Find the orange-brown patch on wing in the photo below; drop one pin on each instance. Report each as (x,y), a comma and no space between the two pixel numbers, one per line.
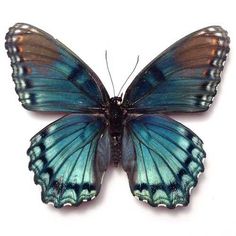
(214,41)
(36,48)
(213,52)
(199,50)
(197,40)
(19,38)
(29,70)
(20,49)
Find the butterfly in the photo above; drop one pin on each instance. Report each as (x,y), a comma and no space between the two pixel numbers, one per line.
(161,157)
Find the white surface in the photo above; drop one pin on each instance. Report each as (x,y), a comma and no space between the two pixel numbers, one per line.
(125,29)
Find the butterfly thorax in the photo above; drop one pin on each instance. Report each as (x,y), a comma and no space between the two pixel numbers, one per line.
(115,117)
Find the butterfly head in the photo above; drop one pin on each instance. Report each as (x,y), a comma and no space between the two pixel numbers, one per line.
(115,100)
(115,112)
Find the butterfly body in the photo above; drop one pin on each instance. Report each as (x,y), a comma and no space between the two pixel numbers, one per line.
(162,158)
(116,116)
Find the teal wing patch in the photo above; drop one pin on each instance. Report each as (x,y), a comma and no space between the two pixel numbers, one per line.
(163,160)
(69,158)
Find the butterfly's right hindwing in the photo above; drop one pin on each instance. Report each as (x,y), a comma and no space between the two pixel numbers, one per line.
(162,158)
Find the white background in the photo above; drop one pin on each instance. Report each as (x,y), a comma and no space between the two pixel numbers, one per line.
(125,29)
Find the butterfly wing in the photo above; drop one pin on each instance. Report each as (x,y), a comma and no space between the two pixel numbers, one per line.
(162,158)
(183,78)
(69,158)
(50,77)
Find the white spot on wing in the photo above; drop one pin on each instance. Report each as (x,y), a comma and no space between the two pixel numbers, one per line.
(67,204)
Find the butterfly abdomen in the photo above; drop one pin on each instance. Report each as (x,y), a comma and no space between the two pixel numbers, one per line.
(116,149)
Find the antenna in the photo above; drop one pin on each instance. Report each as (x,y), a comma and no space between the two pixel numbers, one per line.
(113,87)
(129,76)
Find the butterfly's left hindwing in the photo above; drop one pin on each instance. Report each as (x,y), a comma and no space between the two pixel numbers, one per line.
(69,158)
(162,158)
(50,77)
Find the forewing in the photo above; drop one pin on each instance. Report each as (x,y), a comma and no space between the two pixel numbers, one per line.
(50,77)
(69,158)
(162,158)
(183,78)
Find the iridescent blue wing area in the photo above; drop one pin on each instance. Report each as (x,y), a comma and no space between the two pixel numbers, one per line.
(69,158)
(183,78)
(50,77)
(162,158)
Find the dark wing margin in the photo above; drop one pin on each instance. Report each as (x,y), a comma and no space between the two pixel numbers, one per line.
(50,77)
(69,158)
(162,158)
(184,78)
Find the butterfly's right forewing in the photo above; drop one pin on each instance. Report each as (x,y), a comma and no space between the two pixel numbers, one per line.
(184,78)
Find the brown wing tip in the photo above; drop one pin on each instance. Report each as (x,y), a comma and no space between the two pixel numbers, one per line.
(206,48)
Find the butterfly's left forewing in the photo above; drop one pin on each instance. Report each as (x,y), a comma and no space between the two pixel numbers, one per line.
(50,77)
(69,158)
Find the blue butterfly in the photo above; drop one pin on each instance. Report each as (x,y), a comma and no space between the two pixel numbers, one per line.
(162,158)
